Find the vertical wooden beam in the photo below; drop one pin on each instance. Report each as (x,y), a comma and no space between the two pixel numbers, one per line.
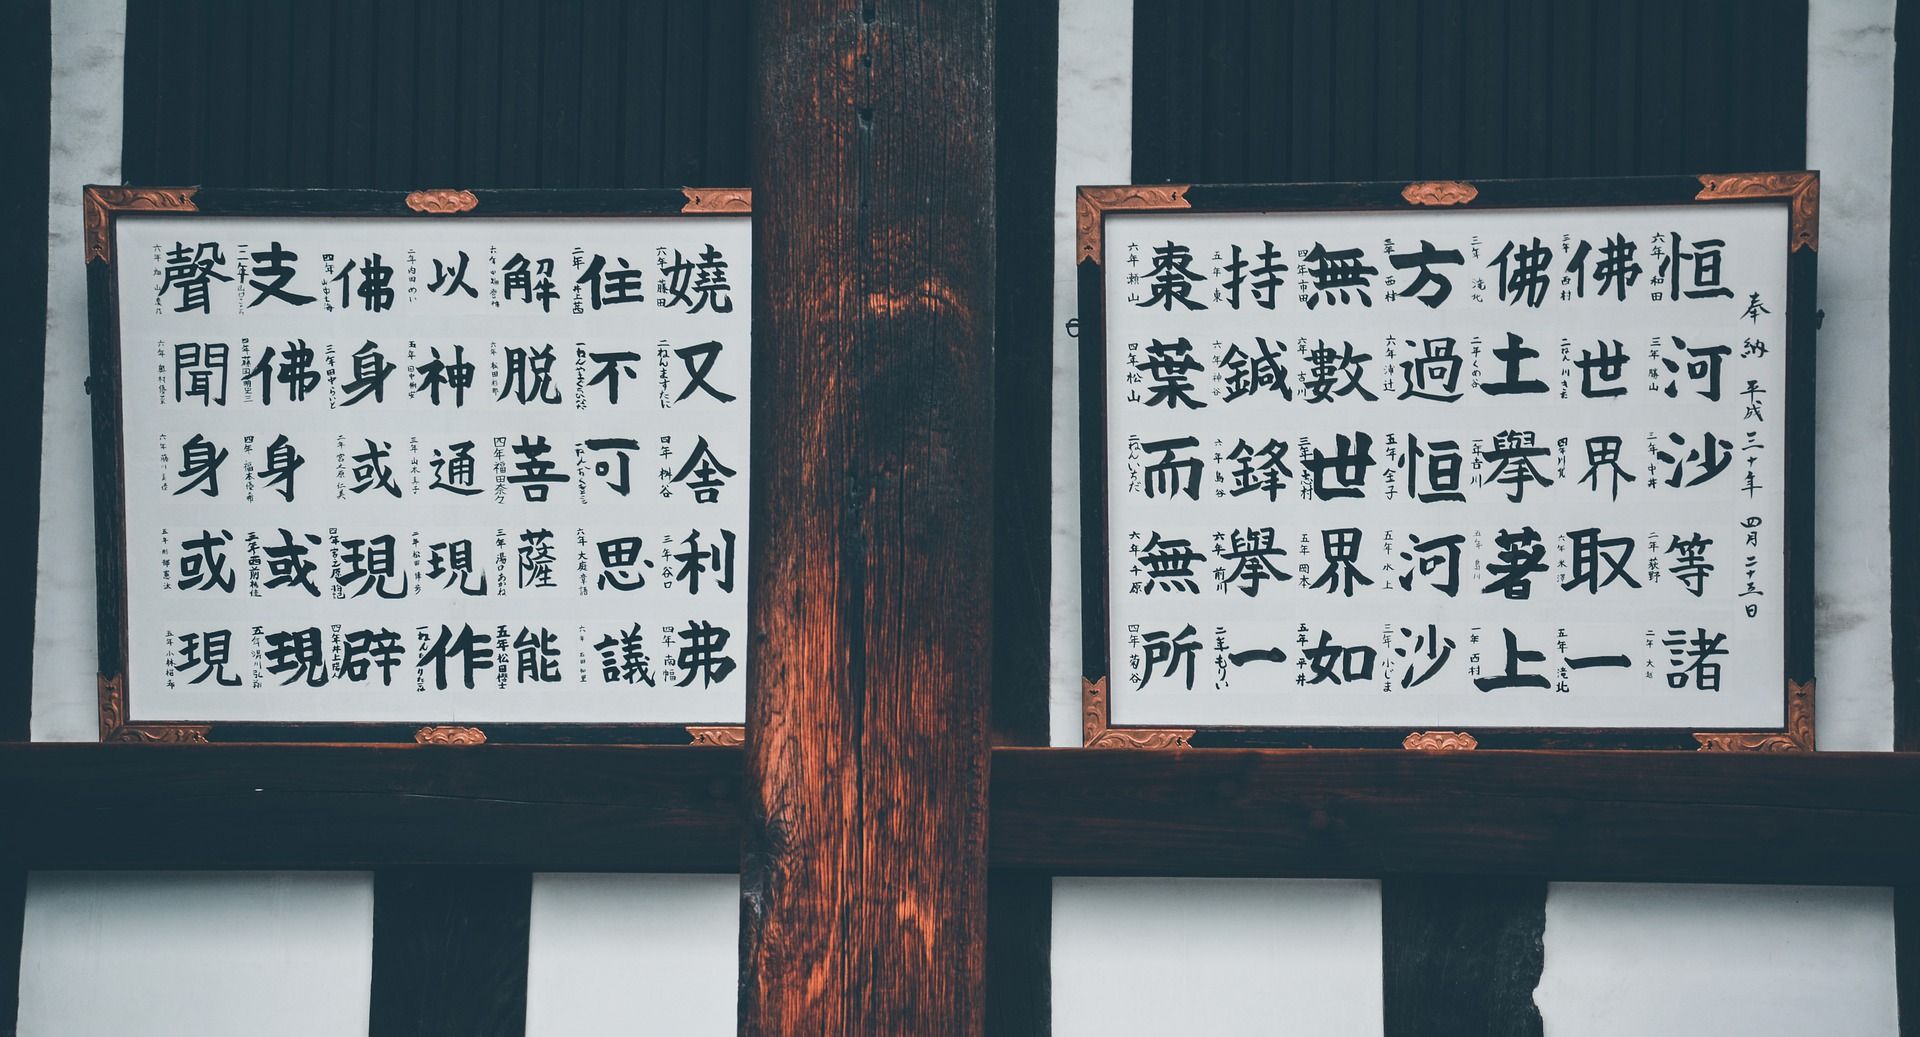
(1026,84)
(26,81)
(1462,956)
(1903,366)
(450,953)
(863,883)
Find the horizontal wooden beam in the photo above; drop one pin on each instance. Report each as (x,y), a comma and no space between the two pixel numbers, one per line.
(1825,818)
(565,808)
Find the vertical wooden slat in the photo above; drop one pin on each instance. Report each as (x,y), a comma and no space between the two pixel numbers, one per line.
(1616,80)
(726,92)
(268,61)
(1483,137)
(179,87)
(309,97)
(559,93)
(449,953)
(26,71)
(1661,107)
(139,98)
(1396,108)
(1704,78)
(642,88)
(394,93)
(603,30)
(1224,92)
(684,122)
(1152,107)
(1571,73)
(1270,92)
(1442,89)
(1353,83)
(1312,126)
(1462,956)
(436,128)
(522,28)
(228,128)
(350,161)
(1903,366)
(1026,83)
(481,91)
(863,882)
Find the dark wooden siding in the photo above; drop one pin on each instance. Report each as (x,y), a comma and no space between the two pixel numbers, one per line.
(458,93)
(1297,90)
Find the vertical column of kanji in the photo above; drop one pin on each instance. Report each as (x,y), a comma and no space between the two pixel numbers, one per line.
(864,876)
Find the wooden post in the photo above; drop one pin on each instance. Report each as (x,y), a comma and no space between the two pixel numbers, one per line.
(864,875)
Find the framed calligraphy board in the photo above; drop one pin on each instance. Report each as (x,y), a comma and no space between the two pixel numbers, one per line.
(439,466)
(1445,464)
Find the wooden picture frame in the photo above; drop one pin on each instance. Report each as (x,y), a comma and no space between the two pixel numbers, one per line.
(1796,191)
(104,208)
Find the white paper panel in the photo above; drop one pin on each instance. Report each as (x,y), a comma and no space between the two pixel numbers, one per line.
(538,512)
(1289,481)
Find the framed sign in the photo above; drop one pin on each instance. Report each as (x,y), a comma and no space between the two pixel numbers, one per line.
(1444,464)
(439,466)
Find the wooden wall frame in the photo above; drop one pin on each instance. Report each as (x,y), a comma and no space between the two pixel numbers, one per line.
(1797,191)
(103,208)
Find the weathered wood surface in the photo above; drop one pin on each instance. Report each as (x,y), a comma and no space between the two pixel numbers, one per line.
(864,874)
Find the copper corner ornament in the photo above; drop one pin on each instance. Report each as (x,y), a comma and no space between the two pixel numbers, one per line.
(724,734)
(1440,741)
(114,726)
(1439,192)
(442,201)
(1095,734)
(443,735)
(98,201)
(1802,190)
(1092,202)
(1798,737)
(718,199)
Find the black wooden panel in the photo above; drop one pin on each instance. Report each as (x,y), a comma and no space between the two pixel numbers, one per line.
(419,93)
(1298,90)
(1468,89)
(442,967)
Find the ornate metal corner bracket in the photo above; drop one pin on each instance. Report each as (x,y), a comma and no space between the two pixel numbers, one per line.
(114,726)
(1798,737)
(442,201)
(717,199)
(445,735)
(1454,741)
(1093,202)
(1095,734)
(1440,193)
(723,734)
(1802,190)
(98,202)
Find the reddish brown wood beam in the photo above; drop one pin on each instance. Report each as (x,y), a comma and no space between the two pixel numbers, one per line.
(864,877)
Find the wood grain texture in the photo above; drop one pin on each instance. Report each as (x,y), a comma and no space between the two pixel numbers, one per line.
(864,872)
(449,952)
(1903,362)
(1462,956)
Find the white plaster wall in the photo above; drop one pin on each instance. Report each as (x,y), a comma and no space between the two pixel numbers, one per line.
(1748,960)
(633,954)
(196,955)
(1215,956)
